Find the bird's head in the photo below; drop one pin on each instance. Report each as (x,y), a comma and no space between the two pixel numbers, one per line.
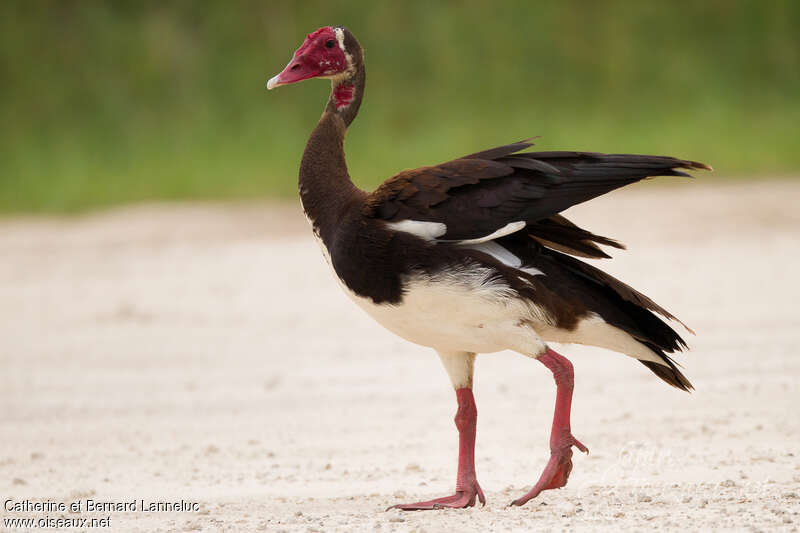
(322,55)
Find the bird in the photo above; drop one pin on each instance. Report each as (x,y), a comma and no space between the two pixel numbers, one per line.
(472,256)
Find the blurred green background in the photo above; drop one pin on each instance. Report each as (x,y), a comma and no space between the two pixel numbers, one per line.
(110,102)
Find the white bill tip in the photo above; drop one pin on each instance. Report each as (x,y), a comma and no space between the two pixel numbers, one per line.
(273,82)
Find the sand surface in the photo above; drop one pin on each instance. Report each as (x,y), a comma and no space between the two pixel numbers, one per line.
(204,353)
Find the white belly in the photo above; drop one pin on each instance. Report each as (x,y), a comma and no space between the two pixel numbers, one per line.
(445,317)
(456,312)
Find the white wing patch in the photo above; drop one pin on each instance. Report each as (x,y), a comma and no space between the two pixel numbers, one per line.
(498,252)
(509,228)
(426,230)
(533,271)
(430,231)
(504,256)
(433,230)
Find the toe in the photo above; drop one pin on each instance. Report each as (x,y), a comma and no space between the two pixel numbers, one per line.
(456,501)
(580,446)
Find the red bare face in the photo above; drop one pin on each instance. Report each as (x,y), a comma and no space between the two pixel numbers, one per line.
(321,55)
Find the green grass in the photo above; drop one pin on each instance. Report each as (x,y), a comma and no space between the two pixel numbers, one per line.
(104,103)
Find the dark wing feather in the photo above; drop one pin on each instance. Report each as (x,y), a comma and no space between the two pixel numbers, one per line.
(501,151)
(560,234)
(480,193)
(664,338)
(411,193)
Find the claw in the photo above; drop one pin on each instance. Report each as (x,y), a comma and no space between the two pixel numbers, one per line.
(580,446)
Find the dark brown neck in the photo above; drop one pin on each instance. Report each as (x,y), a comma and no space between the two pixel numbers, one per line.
(325,187)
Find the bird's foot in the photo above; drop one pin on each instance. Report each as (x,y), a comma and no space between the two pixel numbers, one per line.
(556,473)
(459,500)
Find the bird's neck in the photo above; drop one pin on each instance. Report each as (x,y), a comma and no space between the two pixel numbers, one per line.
(348,91)
(325,186)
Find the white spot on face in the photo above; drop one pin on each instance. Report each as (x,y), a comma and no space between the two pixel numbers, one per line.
(426,230)
(337,77)
(339,32)
(508,229)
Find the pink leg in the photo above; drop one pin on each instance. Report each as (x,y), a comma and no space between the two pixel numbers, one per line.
(467,488)
(557,471)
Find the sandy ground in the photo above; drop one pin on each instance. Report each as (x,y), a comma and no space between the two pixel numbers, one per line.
(204,353)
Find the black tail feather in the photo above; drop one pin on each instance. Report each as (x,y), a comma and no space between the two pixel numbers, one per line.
(670,374)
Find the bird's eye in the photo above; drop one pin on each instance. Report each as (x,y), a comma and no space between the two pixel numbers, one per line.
(330,43)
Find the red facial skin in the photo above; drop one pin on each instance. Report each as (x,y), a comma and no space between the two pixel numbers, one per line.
(316,57)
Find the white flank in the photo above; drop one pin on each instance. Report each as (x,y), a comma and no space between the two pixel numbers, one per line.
(509,228)
(459,311)
(426,230)
(466,310)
